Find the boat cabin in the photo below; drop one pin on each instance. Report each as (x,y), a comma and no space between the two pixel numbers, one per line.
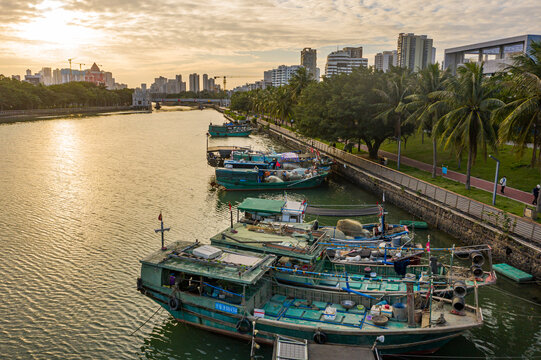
(268,210)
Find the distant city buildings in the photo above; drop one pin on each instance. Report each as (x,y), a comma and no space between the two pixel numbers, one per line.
(282,74)
(384,60)
(344,61)
(309,61)
(415,52)
(496,54)
(47,76)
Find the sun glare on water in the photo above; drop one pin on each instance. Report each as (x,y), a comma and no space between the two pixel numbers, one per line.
(57,26)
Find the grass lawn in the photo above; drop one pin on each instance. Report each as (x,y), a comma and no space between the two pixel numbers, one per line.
(503,203)
(519,174)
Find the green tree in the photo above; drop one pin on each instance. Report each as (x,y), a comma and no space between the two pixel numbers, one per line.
(393,101)
(426,106)
(468,124)
(522,123)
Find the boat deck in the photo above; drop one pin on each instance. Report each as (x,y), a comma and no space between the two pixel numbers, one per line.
(261,239)
(298,311)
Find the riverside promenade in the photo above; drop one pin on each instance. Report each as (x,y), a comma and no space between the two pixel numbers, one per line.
(482,184)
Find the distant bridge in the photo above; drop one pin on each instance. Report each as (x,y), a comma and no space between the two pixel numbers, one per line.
(192,101)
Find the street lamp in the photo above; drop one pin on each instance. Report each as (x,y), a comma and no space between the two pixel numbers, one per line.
(495,179)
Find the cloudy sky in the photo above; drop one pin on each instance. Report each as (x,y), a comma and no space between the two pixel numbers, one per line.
(140,39)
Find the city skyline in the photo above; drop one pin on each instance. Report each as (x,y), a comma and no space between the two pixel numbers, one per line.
(137,42)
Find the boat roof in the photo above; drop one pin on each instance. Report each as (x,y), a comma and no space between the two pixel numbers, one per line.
(237,266)
(279,239)
(262,205)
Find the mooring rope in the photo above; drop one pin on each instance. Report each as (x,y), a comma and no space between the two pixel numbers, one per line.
(143,324)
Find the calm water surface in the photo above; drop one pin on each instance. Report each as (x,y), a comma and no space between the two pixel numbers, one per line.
(79,200)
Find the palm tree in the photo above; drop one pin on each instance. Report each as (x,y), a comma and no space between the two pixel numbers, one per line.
(426,104)
(468,124)
(393,99)
(298,82)
(522,125)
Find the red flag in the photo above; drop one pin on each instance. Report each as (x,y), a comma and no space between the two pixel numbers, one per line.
(160,217)
(229,206)
(428,246)
(277,164)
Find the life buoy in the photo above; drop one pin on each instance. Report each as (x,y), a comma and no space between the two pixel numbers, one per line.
(320,337)
(244,326)
(174,303)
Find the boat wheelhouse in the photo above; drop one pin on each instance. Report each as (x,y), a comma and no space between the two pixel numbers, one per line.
(268,210)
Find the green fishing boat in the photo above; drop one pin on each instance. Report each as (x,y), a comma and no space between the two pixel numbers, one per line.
(414,224)
(229,292)
(228,130)
(261,179)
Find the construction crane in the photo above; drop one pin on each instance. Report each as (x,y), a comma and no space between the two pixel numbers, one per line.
(232,76)
(80,66)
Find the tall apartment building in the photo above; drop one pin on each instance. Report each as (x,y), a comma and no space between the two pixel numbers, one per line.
(309,61)
(415,52)
(46,76)
(385,60)
(194,82)
(205,82)
(344,61)
(281,75)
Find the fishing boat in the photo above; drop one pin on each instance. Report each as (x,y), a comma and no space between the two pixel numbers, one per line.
(229,129)
(270,160)
(308,258)
(262,179)
(217,154)
(229,292)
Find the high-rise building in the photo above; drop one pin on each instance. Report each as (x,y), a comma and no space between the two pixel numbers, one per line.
(344,61)
(281,75)
(109,80)
(212,85)
(205,82)
(415,52)
(385,60)
(181,84)
(194,82)
(309,61)
(159,86)
(46,76)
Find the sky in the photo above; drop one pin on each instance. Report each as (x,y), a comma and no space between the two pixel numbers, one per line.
(138,40)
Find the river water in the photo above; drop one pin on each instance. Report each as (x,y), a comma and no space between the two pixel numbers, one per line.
(79,200)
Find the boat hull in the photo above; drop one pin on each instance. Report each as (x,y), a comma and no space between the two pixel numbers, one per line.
(203,315)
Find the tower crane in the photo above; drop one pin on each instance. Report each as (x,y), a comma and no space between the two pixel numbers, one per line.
(70,60)
(80,66)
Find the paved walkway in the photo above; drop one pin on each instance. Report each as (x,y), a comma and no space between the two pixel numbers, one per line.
(511,193)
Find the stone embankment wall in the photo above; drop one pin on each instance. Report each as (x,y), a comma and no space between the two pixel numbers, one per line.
(514,240)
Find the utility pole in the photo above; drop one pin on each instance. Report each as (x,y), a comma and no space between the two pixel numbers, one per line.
(495,179)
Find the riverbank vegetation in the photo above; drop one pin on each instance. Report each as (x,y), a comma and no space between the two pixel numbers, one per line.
(466,115)
(20,95)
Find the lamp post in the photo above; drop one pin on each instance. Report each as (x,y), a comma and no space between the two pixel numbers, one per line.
(495,179)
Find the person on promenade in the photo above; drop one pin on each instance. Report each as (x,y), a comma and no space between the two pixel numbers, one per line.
(536,194)
(503,183)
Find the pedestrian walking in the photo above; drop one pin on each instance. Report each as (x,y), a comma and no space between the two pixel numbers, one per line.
(536,194)
(503,183)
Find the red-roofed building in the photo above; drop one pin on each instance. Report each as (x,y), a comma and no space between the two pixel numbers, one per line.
(95,75)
